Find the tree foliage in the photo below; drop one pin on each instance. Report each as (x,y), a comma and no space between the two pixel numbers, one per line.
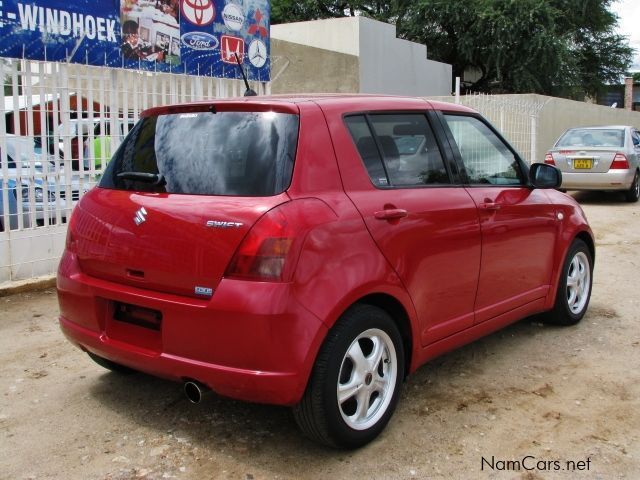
(556,47)
(285,11)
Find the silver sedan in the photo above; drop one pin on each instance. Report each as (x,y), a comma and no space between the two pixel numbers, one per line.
(599,158)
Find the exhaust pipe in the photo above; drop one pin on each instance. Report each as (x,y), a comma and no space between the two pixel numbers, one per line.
(194,391)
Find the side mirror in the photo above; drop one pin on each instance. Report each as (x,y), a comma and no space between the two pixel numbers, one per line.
(542,175)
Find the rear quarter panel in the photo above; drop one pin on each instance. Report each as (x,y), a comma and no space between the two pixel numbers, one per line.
(339,263)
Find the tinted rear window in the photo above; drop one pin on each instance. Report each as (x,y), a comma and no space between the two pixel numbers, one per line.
(204,153)
(592,137)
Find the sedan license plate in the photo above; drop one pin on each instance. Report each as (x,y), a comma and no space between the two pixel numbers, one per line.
(582,163)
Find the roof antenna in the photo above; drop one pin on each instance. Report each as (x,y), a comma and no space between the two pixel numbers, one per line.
(248,92)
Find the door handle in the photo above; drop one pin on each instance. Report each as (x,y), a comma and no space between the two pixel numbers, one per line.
(390,214)
(489,205)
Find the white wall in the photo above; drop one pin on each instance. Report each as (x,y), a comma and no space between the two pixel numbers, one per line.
(387,64)
(335,34)
(394,66)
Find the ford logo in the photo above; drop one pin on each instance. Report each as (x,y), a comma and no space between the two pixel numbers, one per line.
(199,41)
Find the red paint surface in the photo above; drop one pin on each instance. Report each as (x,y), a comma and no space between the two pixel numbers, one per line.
(457,266)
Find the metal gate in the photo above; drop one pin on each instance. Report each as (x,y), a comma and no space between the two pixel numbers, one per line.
(58,125)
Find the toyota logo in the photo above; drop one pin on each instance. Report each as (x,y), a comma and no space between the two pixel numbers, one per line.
(198,12)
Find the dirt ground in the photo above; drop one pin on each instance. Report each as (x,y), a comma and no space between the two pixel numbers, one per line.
(542,396)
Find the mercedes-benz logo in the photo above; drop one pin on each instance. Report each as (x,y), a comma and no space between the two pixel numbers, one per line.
(257,53)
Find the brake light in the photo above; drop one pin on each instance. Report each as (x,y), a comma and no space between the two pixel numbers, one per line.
(620,162)
(270,250)
(548,159)
(70,242)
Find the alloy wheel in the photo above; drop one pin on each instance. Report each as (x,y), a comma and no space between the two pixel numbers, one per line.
(367,379)
(578,283)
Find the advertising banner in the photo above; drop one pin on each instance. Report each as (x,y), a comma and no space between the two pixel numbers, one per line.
(197,37)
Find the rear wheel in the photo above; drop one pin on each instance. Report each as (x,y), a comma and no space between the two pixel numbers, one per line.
(633,194)
(574,290)
(355,383)
(109,365)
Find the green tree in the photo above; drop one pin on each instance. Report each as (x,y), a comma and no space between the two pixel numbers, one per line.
(556,47)
(285,11)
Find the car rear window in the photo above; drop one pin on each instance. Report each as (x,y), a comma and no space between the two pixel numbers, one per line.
(592,137)
(207,153)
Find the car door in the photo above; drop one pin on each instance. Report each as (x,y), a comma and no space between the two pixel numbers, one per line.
(518,223)
(425,224)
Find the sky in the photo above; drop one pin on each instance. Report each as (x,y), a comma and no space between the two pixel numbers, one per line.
(628,12)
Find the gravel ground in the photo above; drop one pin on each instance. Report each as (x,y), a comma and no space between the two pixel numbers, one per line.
(563,402)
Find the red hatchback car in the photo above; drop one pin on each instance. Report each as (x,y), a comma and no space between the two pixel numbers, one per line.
(314,251)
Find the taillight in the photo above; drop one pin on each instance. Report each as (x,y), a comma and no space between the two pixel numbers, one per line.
(620,162)
(70,242)
(270,250)
(548,159)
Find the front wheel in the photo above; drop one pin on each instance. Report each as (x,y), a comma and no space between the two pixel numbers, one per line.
(355,383)
(574,290)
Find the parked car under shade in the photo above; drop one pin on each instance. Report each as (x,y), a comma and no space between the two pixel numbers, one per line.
(28,177)
(296,251)
(599,158)
(25,191)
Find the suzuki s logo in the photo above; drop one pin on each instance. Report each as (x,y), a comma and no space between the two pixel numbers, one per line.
(141,216)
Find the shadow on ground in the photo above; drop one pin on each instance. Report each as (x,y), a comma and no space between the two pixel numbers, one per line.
(264,432)
(599,198)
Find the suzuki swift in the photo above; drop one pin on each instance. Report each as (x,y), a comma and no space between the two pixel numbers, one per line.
(314,251)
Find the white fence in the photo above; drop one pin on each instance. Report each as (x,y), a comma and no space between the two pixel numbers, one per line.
(516,118)
(57,121)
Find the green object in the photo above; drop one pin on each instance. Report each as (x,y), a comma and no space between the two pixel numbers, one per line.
(101,151)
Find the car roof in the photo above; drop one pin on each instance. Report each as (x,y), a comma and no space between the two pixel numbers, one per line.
(601,127)
(289,103)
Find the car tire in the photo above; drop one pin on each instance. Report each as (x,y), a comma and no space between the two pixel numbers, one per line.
(109,365)
(355,383)
(633,194)
(574,289)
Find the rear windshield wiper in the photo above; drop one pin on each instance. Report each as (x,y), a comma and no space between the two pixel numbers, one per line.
(155,179)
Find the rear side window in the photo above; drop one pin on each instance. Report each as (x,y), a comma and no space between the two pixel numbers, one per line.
(205,153)
(592,137)
(398,149)
(487,160)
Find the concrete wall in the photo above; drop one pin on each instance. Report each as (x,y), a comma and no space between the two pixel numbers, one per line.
(312,70)
(515,116)
(559,114)
(335,34)
(390,65)
(386,64)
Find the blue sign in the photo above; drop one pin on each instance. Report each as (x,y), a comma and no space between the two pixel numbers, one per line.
(197,37)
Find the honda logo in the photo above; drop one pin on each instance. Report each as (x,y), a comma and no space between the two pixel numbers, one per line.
(229,46)
(141,216)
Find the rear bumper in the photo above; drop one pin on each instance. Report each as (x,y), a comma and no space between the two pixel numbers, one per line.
(611,180)
(250,342)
